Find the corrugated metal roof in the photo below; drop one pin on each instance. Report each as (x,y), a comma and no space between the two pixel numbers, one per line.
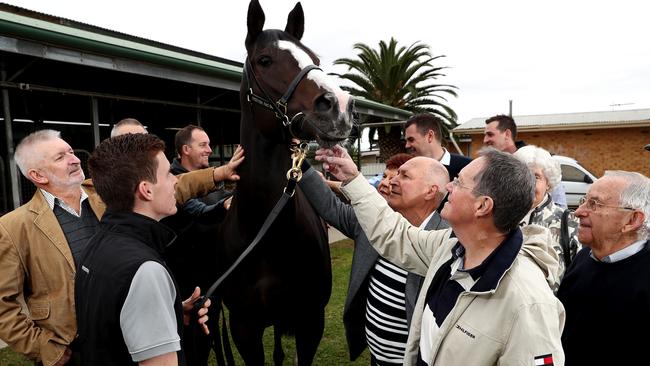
(564,121)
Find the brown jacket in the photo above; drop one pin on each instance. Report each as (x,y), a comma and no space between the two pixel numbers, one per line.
(36,266)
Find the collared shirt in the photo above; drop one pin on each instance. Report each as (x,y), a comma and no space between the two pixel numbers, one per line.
(619,255)
(52,200)
(446,158)
(426,221)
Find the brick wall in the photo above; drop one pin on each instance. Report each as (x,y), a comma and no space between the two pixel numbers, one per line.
(597,150)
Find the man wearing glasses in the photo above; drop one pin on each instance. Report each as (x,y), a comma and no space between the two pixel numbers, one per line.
(486,298)
(606,290)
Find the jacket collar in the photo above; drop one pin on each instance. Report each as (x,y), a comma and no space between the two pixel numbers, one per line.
(176,167)
(497,263)
(145,229)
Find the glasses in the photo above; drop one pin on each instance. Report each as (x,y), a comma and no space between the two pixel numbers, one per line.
(457,184)
(593,205)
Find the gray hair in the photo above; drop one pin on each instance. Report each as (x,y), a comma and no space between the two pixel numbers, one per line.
(124,122)
(510,184)
(537,157)
(24,156)
(636,195)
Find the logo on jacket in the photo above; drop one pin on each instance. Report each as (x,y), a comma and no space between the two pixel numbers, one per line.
(465,331)
(544,360)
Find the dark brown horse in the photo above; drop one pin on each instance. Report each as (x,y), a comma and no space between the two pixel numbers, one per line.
(286,280)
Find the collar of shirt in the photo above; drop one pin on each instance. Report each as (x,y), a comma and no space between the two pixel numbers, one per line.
(51,200)
(626,252)
(446,158)
(426,221)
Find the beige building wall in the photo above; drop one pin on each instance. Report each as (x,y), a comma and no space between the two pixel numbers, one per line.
(597,149)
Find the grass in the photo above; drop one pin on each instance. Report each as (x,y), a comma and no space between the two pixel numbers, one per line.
(333,347)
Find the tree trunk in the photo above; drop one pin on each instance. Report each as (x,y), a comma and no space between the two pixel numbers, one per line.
(390,141)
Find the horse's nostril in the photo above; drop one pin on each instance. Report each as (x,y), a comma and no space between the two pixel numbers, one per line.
(325,102)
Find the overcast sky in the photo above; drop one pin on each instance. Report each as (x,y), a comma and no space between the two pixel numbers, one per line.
(547,56)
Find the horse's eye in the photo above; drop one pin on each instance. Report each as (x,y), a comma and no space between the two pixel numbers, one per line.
(264,61)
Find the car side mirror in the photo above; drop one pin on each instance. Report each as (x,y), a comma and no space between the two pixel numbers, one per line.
(588,179)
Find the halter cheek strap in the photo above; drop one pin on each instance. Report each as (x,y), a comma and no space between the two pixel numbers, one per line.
(279,107)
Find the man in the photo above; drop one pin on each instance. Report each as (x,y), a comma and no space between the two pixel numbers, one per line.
(381,296)
(191,256)
(40,243)
(605,290)
(485,300)
(128,309)
(127,125)
(423,135)
(500,133)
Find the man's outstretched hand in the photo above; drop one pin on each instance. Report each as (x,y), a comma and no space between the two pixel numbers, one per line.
(337,161)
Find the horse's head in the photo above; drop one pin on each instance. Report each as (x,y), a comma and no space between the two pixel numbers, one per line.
(283,81)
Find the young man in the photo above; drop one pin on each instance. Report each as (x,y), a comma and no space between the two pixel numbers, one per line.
(486,299)
(423,135)
(605,290)
(128,308)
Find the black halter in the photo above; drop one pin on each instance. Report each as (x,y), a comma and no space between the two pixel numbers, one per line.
(279,107)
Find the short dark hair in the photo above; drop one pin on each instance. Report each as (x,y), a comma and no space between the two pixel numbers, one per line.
(510,184)
(120,163)
(505,123)
(396,161)
(425,122)
(184,137)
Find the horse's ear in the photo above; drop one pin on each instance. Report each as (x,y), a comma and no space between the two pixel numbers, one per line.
(296,22)
(255,22)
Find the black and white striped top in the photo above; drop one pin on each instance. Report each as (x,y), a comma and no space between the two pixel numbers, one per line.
(386,326)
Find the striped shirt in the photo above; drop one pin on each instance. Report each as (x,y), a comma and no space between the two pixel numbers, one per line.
(386,326)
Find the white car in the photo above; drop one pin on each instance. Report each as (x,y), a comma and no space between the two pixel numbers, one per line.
(575,179)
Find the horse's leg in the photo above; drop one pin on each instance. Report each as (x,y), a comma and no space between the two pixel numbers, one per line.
(247,335)
(308,335)
(278,353)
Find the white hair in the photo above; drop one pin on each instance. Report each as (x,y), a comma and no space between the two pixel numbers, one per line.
(25,156)
(537,157)
(636,195)
(437,174)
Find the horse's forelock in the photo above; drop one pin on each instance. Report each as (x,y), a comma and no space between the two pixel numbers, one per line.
(271,36)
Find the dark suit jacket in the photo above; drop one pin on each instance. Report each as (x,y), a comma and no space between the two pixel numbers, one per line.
(342,217)
(456,163)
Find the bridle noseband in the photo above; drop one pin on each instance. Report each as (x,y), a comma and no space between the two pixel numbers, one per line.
(279,107)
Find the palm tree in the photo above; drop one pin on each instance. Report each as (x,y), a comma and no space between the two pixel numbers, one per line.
(400,77)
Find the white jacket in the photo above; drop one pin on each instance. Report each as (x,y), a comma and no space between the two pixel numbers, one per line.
(513,323)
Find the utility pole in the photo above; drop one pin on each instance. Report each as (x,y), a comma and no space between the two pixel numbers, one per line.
(510,108)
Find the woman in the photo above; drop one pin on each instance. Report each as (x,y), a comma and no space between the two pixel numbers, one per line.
(544,212)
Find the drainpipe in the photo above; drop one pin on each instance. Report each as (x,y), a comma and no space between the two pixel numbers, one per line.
(453,141)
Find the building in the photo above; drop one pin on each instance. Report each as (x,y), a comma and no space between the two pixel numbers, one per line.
(598,140)
(80,79)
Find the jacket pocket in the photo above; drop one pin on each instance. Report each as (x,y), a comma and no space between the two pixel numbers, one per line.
(39,310)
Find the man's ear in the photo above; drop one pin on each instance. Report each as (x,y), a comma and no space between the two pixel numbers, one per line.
(185,149)
(508,134)
(143,191)
(483,206)
(634,223)
(431,192)
(36,177)
(431,136)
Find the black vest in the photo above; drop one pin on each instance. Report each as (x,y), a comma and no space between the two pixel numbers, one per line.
(77,230)
(123,242)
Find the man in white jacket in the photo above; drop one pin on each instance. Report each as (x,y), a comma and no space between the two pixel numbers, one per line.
(486,298)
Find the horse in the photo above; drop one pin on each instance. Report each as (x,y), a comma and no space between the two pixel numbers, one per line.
(285,282)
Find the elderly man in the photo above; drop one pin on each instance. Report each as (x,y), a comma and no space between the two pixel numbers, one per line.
(486,299)
(40,243)
(606,289)
(423,136)
(381,296)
